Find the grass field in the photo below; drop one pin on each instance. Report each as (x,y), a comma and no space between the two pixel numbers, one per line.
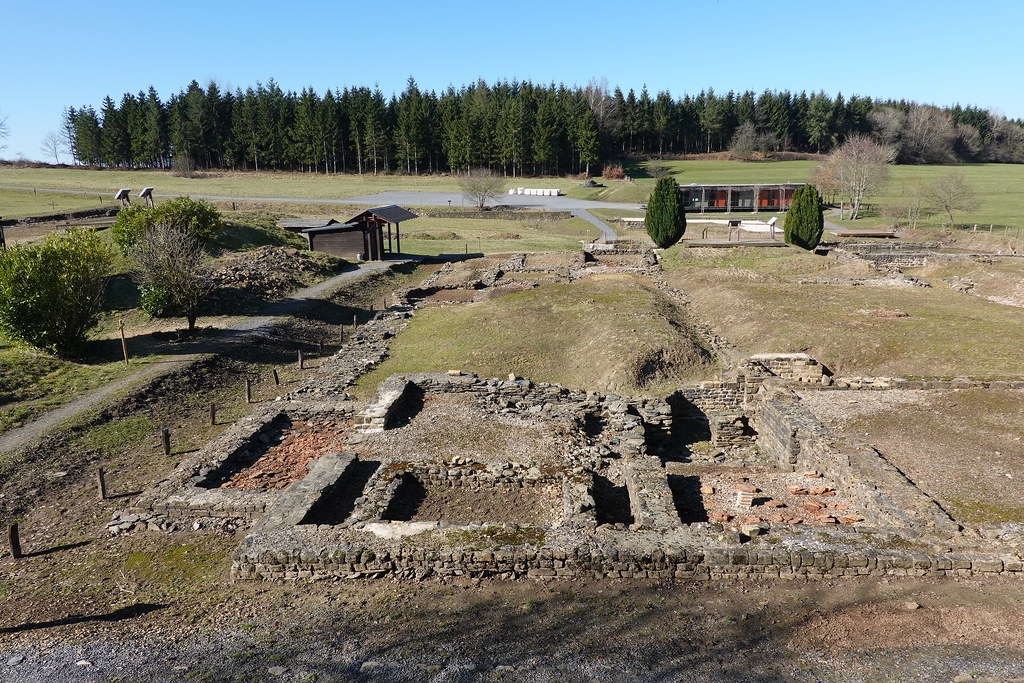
(430,236)
(84,189)
(783,300)
(999,186)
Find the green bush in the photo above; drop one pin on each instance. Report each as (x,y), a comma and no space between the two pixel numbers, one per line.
(132,222)
(50,292)
(666,215)
(194,216)
(805,221)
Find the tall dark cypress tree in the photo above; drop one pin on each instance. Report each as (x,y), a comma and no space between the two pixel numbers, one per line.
(666,215)
(805,221)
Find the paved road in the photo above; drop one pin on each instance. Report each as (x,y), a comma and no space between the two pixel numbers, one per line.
(28,434)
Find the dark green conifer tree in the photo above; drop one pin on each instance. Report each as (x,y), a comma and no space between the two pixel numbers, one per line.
(805,221)
(666,215)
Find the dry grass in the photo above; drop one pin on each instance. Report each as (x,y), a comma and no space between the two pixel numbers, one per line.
(610,332)
(789,301)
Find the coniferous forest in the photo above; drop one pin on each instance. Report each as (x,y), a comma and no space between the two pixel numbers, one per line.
(513,128)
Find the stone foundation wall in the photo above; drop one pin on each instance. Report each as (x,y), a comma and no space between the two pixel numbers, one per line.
(190,494)
(884,383)
(382,487)
(730,430)
(798,367)
(793,438)
(354,561)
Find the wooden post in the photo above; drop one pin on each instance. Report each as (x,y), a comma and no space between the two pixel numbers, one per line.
(248,391)
(213,414)
(165,435)
(12,536)
(355,323)
(320,348)
(101,484)
(277,380)
(301,367)
(384,305)
(124,344)
(342,334)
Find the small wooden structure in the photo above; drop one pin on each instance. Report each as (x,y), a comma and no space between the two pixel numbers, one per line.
(883,233)
(372,223)
(360,238)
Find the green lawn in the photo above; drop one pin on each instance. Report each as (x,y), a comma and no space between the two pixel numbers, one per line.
(430,236)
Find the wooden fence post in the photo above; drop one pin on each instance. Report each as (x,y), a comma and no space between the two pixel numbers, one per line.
(213,414)
(165,435)
(300,360)
(12,536)
(101,483)
(124,344)
(277,379)
(248,391)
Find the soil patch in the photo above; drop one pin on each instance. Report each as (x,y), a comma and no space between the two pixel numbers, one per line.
(415,502)
(289,459)
(962,447)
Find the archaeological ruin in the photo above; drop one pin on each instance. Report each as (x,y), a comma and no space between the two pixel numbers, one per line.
(451,474)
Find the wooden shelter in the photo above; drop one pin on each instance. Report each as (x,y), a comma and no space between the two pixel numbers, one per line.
(772,197)
(372,224)
(361,238)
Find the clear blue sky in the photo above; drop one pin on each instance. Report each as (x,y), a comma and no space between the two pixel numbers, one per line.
(74,53)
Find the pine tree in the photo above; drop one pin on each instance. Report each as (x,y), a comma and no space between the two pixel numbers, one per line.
(666,215)
(805,221)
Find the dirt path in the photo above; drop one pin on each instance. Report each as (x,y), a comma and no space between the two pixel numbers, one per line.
(26,435)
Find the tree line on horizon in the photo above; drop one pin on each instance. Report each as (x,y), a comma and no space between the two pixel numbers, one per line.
(515,128)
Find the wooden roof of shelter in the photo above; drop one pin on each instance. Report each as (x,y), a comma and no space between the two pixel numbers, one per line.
(297,224)
(389,214)
(335,226)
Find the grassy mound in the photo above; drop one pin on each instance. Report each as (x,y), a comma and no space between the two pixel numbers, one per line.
(608,333)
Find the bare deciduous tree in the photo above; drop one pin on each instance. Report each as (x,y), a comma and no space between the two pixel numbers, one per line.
(856,169)
(4,132)
(911,206)
(747,140)
(479,186)
(170,269)
(603,105)
(928,136)
(950,193)
(52,145)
